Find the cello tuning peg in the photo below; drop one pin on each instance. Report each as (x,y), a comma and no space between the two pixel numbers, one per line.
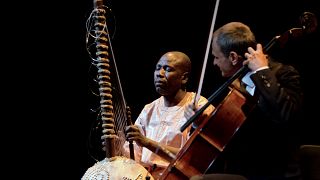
(309,22)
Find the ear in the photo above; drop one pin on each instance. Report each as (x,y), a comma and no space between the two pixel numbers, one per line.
(234,58)
(185,77)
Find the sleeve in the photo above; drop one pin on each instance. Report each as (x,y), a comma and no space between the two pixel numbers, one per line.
(206,113)
(280,91)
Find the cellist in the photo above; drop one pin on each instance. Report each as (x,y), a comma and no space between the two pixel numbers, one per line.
(264,146)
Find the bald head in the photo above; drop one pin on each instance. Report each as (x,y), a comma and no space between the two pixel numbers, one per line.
(181,59)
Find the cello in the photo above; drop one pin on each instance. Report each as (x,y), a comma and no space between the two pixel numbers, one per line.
(214,133)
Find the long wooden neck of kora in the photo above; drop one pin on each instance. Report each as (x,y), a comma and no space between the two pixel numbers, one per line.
(103,65)
(114,111)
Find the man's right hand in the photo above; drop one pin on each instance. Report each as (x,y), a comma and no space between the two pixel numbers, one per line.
(133,134)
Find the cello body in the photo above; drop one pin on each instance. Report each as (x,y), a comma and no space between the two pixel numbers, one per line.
(209,140)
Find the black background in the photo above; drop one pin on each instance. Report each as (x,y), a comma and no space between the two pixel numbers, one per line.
(143,31)
(48,84)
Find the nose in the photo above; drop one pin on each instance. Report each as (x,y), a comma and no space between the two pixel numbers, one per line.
(214,62)
(160,72)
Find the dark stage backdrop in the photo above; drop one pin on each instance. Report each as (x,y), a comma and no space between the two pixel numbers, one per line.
(143,30)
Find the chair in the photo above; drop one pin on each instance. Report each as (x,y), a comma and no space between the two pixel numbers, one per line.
(219,177)
(310,162)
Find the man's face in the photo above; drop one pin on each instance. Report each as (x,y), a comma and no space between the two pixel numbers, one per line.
(224,63)
(168,75)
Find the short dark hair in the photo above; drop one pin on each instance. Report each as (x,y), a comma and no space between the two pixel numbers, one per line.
(234,36)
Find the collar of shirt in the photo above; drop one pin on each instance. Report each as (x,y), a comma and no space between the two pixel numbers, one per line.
(250,87)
